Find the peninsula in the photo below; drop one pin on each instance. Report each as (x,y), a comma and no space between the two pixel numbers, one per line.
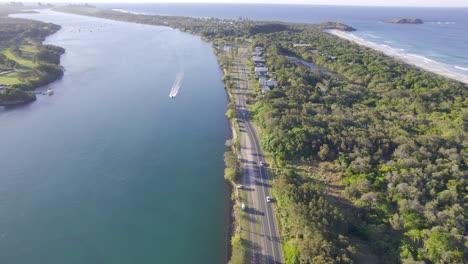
(25,62)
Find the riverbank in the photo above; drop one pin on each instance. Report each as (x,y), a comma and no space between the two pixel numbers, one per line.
(418,61)
(26,62)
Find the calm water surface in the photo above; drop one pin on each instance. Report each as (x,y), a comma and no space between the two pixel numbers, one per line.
(110,169)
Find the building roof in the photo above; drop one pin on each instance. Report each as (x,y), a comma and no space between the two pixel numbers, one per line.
(258,58)
(265,89)
(261,69)
(270,82)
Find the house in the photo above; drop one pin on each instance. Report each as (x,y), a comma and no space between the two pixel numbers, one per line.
(259,49)
(269,83)
(261,70)
(265,89)
(258,59)
(255,53)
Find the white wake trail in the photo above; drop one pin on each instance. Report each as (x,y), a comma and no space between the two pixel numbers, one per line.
(176,85)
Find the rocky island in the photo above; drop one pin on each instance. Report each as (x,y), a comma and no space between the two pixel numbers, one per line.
(405,21)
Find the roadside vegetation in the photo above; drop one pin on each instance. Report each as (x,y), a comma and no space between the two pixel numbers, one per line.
(25,63)
(232,172)
(369,160)
(390,138)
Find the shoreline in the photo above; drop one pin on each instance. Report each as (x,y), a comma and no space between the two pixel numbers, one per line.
(30,86)
(412,59)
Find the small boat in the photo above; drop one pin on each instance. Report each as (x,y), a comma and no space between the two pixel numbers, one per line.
(48,92)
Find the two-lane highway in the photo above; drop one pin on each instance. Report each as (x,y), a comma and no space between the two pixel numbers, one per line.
(266,244)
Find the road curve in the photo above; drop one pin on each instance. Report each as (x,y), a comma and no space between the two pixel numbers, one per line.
(265,239)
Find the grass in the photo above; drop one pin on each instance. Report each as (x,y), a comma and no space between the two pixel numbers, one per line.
(21,61)
(9,79)
(24,61)
(28,51)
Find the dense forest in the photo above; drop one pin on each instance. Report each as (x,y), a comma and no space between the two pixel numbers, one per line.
(394,134)
(392,137)
(25,63)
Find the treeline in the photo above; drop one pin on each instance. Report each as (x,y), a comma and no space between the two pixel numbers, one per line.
(209,28)
(14,31)
(312,228)
(396,134)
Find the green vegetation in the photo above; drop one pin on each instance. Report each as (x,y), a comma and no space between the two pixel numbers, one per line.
(393,134)
(25,63)
(369,160)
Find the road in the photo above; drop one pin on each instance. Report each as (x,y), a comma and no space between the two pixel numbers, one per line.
(265,239)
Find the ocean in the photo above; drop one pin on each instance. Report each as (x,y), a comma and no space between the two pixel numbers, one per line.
(441,40)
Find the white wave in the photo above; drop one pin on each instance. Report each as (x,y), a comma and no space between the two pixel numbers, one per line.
(443,22)
(389,42)
(461,68)
(421,57)
(372,35)
(176,85)
(414,59)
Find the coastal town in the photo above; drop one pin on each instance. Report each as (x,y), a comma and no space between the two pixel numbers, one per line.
(265,78)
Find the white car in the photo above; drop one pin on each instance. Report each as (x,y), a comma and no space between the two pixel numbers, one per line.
(262,163)
(240,186)
(243,207)
(268,199)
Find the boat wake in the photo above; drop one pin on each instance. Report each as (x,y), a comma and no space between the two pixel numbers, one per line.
(176,85)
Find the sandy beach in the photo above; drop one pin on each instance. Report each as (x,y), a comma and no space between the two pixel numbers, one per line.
(413,59)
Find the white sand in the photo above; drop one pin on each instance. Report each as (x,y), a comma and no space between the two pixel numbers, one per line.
(413,59)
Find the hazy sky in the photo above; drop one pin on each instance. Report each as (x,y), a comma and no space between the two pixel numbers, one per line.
(446,3)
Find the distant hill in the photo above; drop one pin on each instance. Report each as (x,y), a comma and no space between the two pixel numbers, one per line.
(338,26)
(405,21)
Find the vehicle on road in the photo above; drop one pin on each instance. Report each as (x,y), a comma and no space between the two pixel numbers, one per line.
(269,199)
(262,163)
(243,207)
(240,186)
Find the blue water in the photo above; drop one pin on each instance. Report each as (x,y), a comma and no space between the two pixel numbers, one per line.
(442,38)
(110,169)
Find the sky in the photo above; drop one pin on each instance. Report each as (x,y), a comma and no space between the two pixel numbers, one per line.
(438,3)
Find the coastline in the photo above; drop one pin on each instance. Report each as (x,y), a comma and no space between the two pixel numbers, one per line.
(412,59)
(49,66)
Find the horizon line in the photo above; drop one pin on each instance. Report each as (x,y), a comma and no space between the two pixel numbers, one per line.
(236,3)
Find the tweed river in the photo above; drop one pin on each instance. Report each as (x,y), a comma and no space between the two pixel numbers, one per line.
(110,169)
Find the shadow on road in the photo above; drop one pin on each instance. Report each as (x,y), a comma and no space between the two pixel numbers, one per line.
(249,218)
(256,256)
(254,211)
(258,183)
(249,161)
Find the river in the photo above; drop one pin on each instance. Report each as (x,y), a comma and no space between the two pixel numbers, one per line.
(110,169)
